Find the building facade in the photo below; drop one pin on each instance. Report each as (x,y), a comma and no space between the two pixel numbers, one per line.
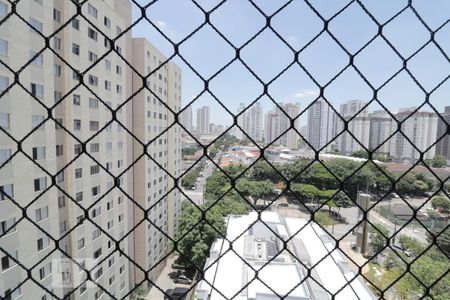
(203,121)
(380,131)
(152,114)
(85,148)
(420,128)
(443,146)
(186,119)
(251,122)
(322,123)
(358,125)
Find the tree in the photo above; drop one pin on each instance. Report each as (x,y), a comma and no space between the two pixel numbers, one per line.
(139,293)
(304,191)
(378,237)
(438,161)
(261,170)
(443,240)
(188,151)
(361,154)
(195,235)
(411,244)
(441,203)
(255,189)
(188,181)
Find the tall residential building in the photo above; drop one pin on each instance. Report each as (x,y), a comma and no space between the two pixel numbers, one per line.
(80,183)
(203,121)
(358,125)
(421,130)
(380,131)
(186,119)
(277,123)
(251,121)
(271,127)
(322,122)
(443,146)
(152,183)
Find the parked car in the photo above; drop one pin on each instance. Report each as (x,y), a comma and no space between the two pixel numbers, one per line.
(182,279)
(176,273)
(283,205)
(176,294)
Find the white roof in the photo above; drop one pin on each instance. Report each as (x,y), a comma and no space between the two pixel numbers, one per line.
(230,277)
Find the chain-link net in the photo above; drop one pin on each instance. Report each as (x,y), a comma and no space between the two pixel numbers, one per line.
(400,244)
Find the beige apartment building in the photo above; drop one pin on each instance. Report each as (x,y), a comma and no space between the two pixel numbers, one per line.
(154,172)
(82,186)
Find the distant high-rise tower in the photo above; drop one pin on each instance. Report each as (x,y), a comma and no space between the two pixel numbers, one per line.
(321,125)
(186,119)
(443,146)
(421,130)
(251,121)
(380,130)
(203,122)
(358,124)
(277,124)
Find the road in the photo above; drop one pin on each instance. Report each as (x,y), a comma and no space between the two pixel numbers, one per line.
(197,195)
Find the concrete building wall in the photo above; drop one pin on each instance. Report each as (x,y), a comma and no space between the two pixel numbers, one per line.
(443,146)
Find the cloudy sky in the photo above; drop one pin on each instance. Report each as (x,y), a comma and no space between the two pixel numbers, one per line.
(267,55)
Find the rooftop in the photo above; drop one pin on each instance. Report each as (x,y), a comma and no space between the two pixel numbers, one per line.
(281,272)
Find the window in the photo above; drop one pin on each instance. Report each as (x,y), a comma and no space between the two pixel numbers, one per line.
(98,273)
(93,125)
(83,288)
(119,89)
(93,103)
(79,196)
(62,227)
(77,148)
(56,15)
(57,96)
(95,190)
(92,34)
(107,85)
(40,184)
(37,121)
(120,163)
(8,226)
(76,99)
(8,262)
(78,173)
(118,30)
(109,205)
(92,10)
(93,80)
(36,24)
(61,201)
(38,153)
(6,191)
(59,150)
(76,24)
(107,64)
(41,213)
(37,90)
(57,70)
(96,233)
(119,70)
(43,243)
(3,47)
(57,43)
(95,169)
(75,49)
(4,120)
(4,83)
(45,271)
(3,10)
(80,244)
(92,56)
(94,147)
(77,124)
(97,253)
(107,22)
(5,154)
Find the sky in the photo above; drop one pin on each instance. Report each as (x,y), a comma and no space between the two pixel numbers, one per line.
(267,55)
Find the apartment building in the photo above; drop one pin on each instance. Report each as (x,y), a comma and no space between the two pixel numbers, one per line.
(251,121)
(203,120)
(380,131)
(443,146)
(153,113)
(85,149)
(322,123)
(358,127)
(186,119)
(420,128)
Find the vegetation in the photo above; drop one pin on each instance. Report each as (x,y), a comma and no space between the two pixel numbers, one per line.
(438,161)
(255,189)
(189,180)
(427,268)
(323,218)
(189,150)
(442,240)
(378,237)
(441,203)
(139,293)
